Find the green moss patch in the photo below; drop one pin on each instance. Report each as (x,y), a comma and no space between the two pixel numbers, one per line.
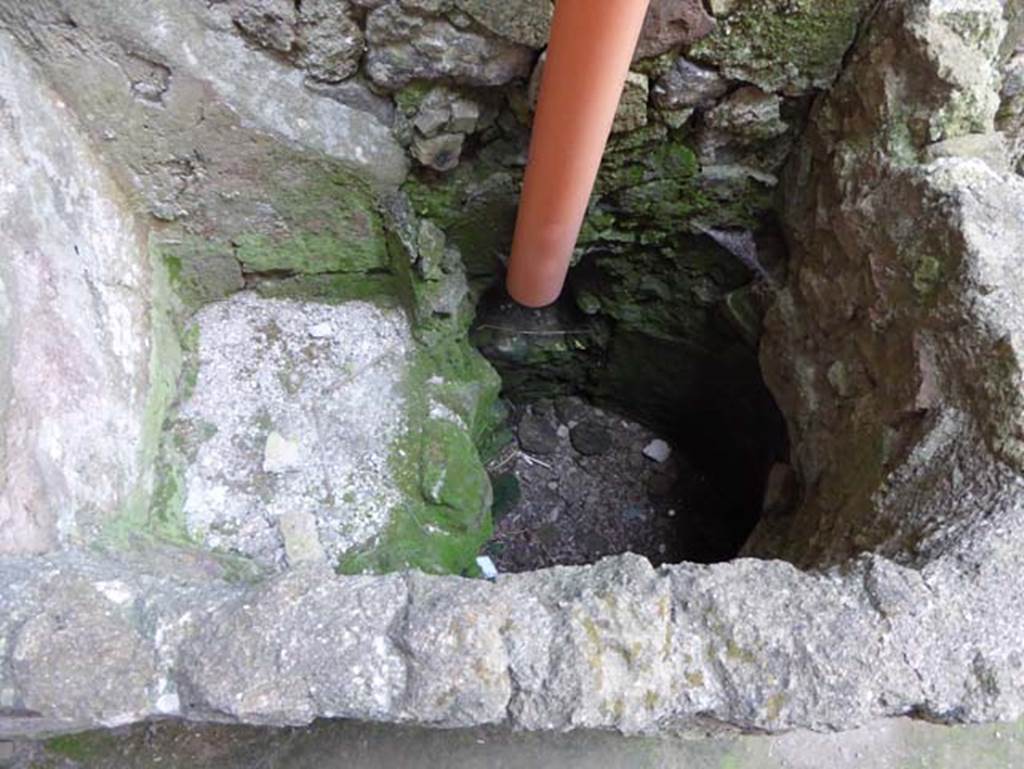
(784,45)
(445,516)
(475,206)
(84,748)
(328,224)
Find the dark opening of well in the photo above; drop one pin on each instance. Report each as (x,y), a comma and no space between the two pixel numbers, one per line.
(708,400)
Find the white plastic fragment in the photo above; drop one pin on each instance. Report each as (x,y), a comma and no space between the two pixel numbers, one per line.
(487,567)
(168,704)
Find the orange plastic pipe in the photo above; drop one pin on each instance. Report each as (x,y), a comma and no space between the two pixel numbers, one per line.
(591,48)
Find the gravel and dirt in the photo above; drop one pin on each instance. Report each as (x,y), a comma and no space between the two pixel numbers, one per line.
(579,483)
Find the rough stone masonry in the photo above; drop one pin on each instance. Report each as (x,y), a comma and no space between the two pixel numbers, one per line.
(166,157)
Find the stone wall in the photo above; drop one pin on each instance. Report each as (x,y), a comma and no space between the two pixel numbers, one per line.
(237,175)
(327,154)
(895,348)
(340,151)
(88,362)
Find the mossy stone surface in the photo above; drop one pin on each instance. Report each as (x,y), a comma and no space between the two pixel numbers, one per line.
(784,45)
(445,516)
(331,225)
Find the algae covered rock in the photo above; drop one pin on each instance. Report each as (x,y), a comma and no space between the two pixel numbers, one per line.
(293,413)
(782,45)
(291,442)
(324,222)
(632,112)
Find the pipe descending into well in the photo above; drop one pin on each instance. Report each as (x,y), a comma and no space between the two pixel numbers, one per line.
(592,45)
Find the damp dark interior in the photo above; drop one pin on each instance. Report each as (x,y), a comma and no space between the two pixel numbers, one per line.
(699,389)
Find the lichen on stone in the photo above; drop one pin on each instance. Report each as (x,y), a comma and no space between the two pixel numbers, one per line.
(781,45)
(328,225)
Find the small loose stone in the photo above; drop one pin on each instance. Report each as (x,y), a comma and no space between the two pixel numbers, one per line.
(571,410)
(440,152)
(301,539)
(658,450)
(591,439)
(280,454)
(537,435)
